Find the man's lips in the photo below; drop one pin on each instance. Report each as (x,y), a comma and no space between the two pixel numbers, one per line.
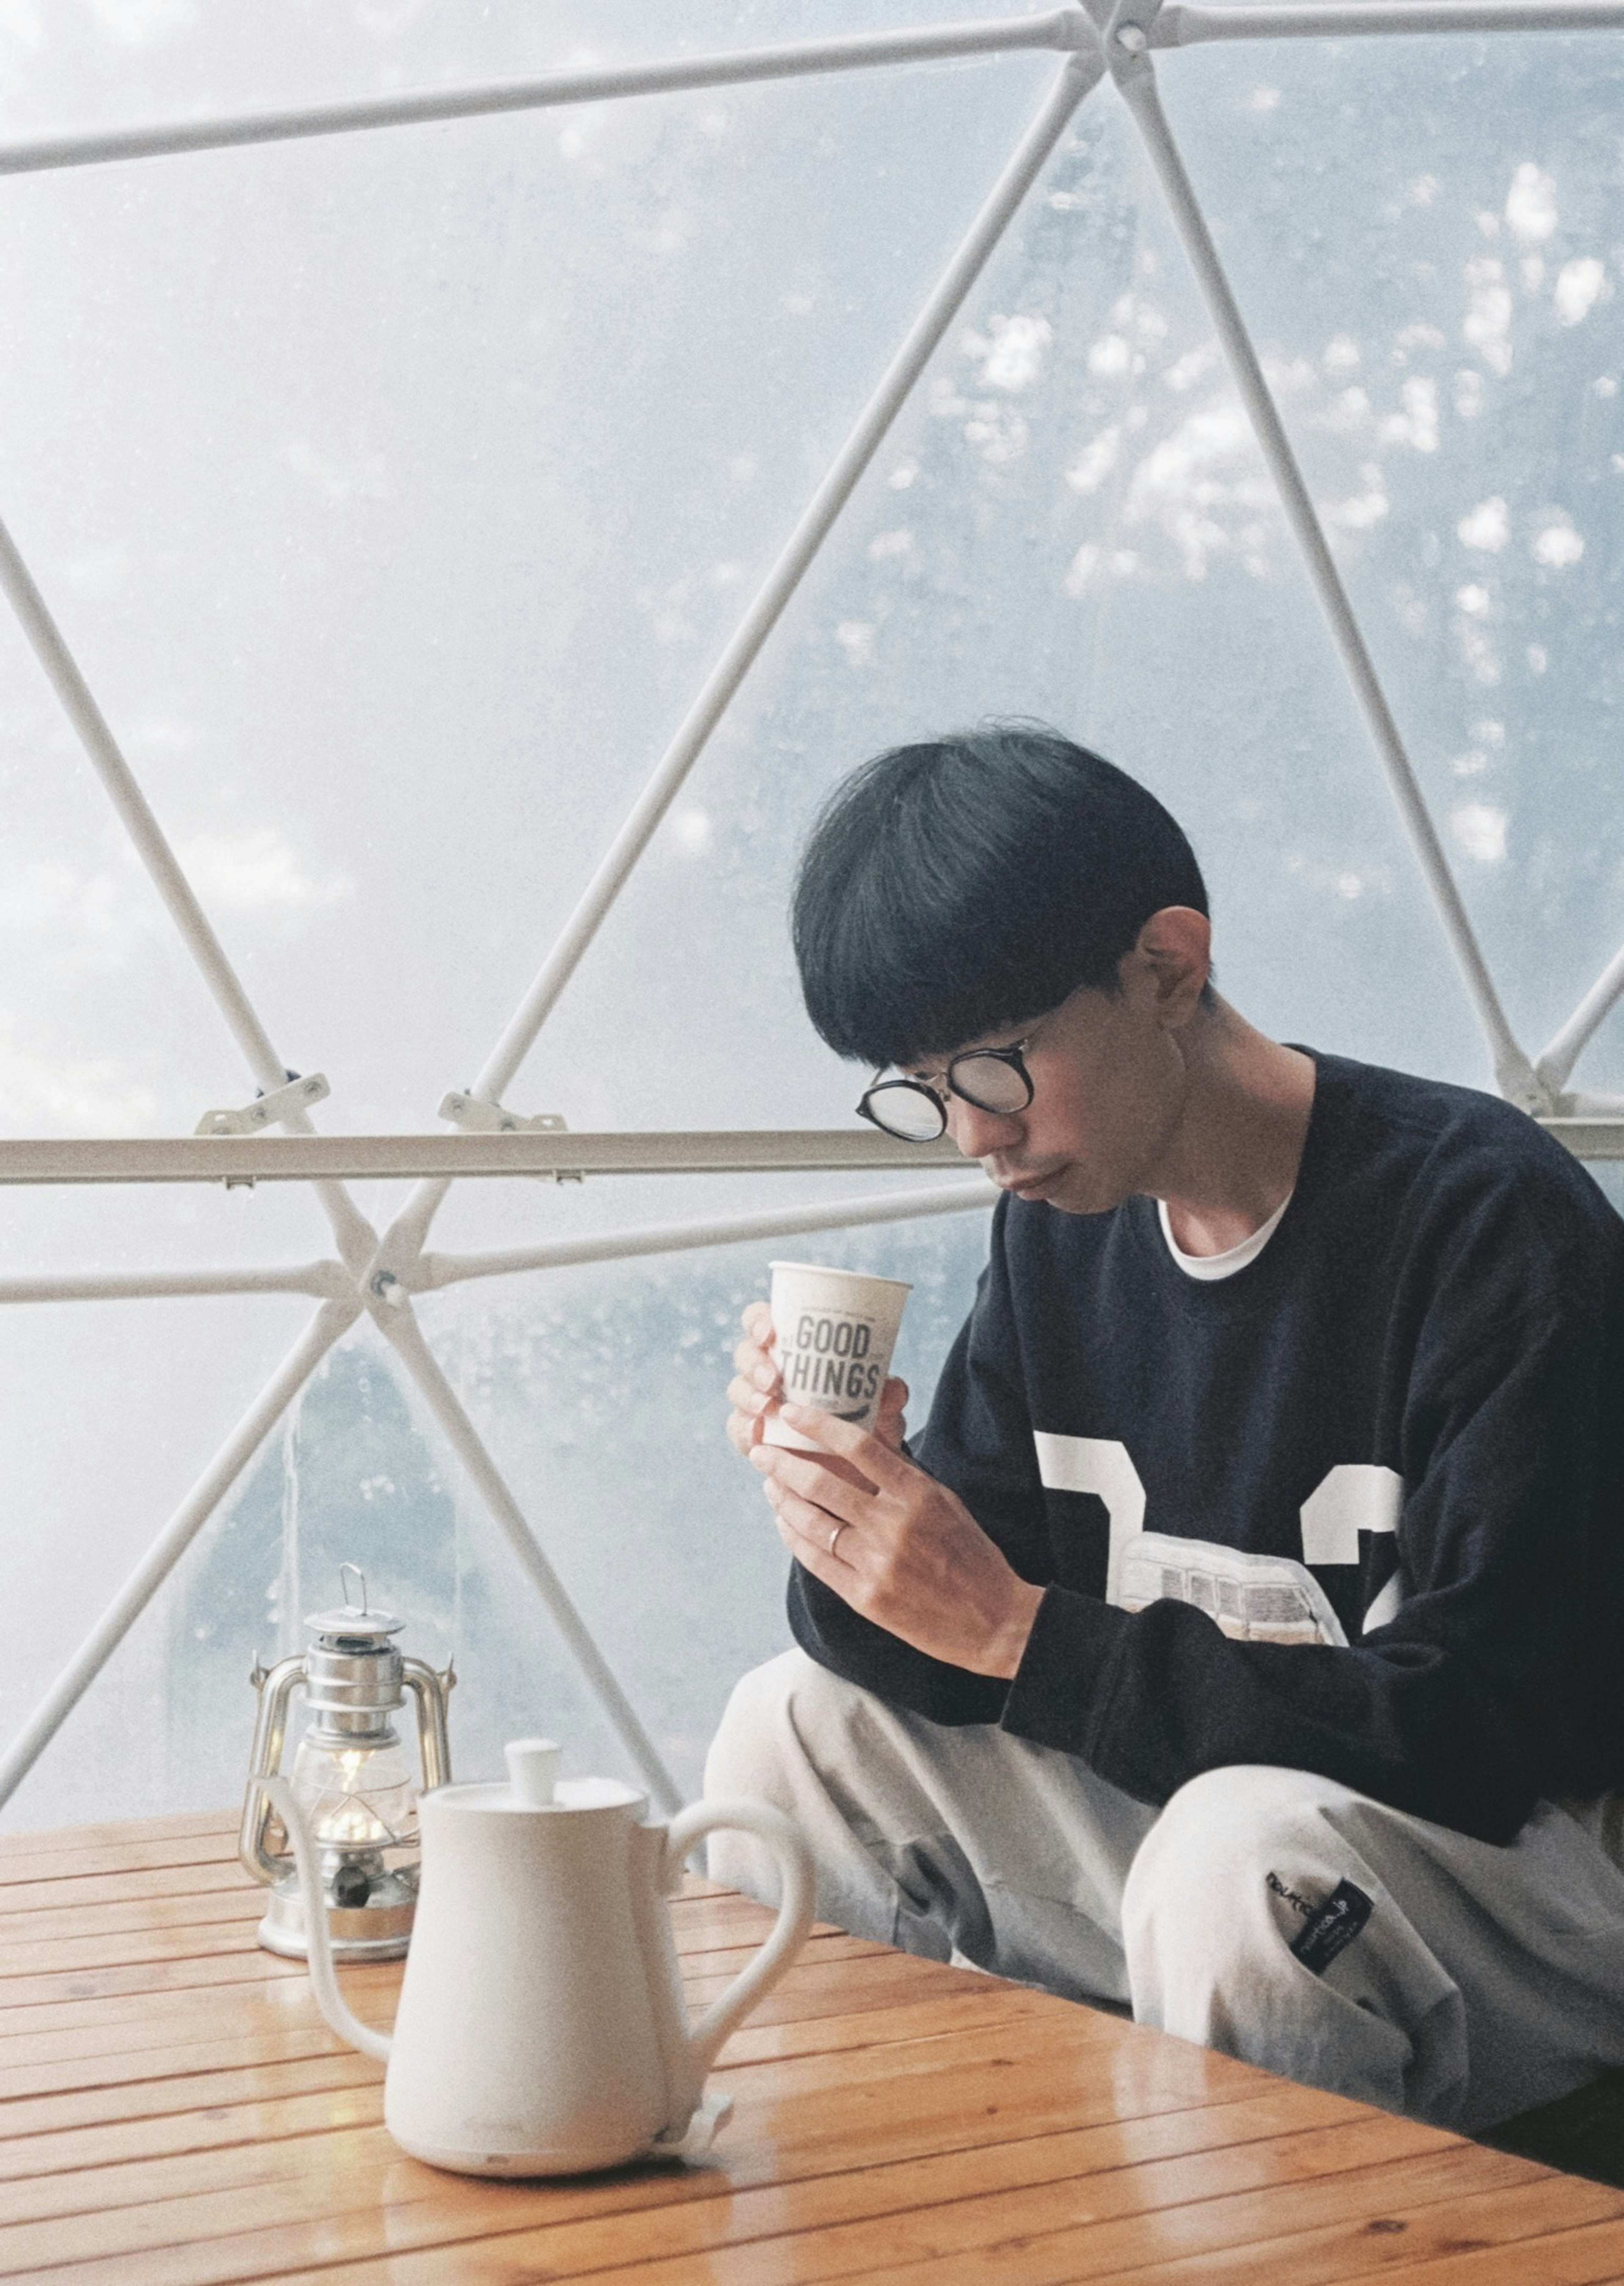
(1029,1186)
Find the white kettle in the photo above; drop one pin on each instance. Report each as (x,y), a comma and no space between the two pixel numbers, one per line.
(542,2029)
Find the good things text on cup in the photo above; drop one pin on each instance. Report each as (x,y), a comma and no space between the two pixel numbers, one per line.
(829,1363)
(833,1332)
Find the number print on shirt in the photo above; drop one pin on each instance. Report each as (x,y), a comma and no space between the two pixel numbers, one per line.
(1357,1496)
(1266,1598)
(1099,1465)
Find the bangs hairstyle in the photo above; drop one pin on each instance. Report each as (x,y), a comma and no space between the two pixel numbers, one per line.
(958,889)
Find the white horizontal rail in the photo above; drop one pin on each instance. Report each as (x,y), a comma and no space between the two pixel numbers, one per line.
(329,1281)
(330,1322)
(445,1158)
(1183,26)
(1562,1054)
(1588,1138)
(435,1270)
(393,1158)
(1059,28)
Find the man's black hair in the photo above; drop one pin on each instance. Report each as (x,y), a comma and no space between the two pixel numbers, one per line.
(958,888)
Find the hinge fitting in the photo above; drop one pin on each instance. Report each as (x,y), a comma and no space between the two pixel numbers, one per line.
(476,1117)
(298,1093)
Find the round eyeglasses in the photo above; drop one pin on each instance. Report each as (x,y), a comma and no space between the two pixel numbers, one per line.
(992,1079)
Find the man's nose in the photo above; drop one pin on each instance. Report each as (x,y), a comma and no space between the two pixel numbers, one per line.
(980,1133)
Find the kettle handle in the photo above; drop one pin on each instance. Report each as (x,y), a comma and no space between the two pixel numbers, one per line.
(329,1999)
(797,1908)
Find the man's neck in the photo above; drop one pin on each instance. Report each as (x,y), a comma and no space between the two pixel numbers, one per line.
(1233,1157)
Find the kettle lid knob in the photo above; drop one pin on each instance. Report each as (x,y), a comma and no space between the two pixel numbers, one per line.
(532,1768)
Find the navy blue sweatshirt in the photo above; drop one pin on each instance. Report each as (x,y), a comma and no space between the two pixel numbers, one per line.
(1357,1508)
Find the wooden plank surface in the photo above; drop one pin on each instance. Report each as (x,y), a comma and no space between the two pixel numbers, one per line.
(175,2112)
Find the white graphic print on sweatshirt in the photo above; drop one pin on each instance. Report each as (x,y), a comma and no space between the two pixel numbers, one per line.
(1252,1598)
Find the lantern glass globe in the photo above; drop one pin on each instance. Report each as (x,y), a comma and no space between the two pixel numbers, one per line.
(357,1796)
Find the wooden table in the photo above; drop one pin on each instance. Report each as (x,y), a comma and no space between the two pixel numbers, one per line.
(174,2111)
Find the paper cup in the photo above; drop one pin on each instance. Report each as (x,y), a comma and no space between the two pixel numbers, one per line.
(834,1333)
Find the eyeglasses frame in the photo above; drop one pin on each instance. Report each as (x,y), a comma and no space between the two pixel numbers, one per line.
(1015,1056)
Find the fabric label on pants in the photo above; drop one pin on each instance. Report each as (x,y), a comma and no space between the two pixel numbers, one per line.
(1333,1926)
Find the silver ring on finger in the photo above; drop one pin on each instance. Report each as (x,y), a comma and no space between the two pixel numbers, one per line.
(835,1534)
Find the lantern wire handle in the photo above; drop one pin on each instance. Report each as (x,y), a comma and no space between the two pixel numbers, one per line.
(350,1603)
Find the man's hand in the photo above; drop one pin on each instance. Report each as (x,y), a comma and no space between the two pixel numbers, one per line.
(899,1549)
(755,1388)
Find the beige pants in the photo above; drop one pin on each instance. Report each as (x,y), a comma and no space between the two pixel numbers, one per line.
(1269,1913)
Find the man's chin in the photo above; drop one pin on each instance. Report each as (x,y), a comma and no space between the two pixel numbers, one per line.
(1074,1191)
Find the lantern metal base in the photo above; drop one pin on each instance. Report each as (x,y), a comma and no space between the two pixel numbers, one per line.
(370,1932)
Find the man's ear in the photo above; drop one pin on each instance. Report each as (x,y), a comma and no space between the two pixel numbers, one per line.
(1173,954)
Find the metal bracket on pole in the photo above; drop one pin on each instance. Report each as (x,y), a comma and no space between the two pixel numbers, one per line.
(301,1091)
(475,1117)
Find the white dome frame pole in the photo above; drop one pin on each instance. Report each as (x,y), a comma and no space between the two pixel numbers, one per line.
(1057,28)
(106,758)
(1076,79)
(1131,65)
(333,1319)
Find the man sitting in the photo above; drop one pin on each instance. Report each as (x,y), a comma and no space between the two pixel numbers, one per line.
(1240,1637)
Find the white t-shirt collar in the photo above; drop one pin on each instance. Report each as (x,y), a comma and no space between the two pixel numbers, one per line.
(1208,1267)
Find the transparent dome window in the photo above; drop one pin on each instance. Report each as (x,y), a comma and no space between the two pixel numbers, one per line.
(470,494)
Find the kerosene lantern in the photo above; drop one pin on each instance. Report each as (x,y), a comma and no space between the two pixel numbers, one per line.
(353,1776)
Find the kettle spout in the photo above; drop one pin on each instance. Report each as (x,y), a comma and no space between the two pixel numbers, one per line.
(324,1982)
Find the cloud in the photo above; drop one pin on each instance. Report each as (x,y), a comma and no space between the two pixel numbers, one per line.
(1556,545)
(98,919)
(1416,425)
(1344,882)
(138,23)
(1487,323)
(1531,205)
(1579,285)
(1474,604)
(365,476)
(1203,489)
(1012,351)
(1099,457)
(1091,566)
(1488,526)
(1361,511)
(81,919)
(256,871)
(52,1091)
(1480,831)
